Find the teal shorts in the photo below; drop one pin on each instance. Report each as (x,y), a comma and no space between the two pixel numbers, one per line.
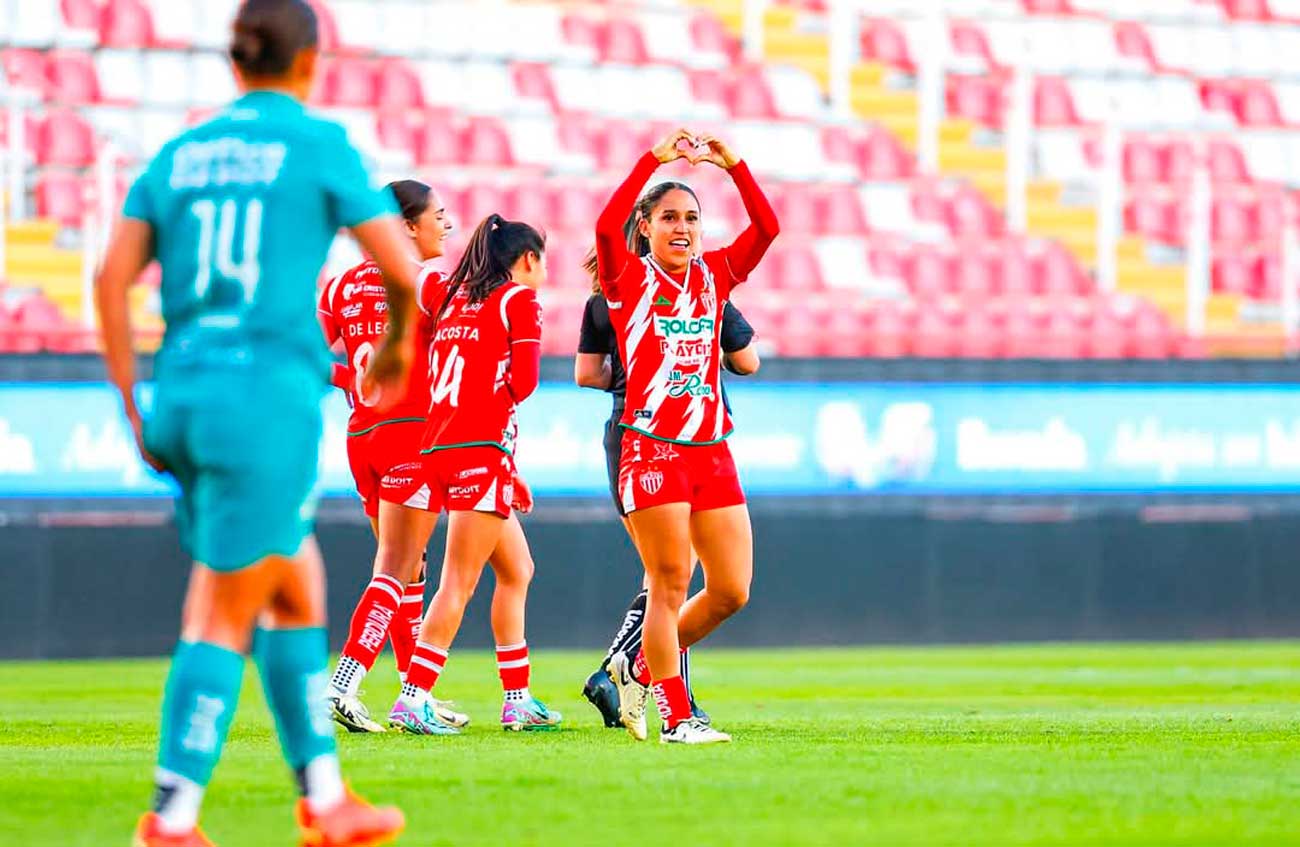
(243,446)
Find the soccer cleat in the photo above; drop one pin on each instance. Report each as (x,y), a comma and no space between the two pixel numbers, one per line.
(530,716)
(351,822)
(692,731)
(419,720)
(148,833)
(443,709)
(601,693)
(349,712)
(699,714)
(631,695)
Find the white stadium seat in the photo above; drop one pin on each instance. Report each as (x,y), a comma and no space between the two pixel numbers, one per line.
(121,75)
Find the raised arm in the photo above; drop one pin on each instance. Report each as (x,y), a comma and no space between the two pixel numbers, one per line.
(612,254)
(744,254)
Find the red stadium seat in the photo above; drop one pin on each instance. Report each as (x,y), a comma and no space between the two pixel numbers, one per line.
(750,98)
(885,158)
(60,196)
(979,336)
(1227,163)
(1151,338)
(1048,7)
(581,30)
(795,269)
(1021,269)
(125,23)
(487,143)
(1062,274)
(395,132)
(1257,105)
(398,86)
(1107,337)
(349,83)
(480,200)
(80,14)
(840,211)
(621,41)
(1155,217)
(976,272)
(532,202)
(1063,336)
(440,142)
(1144,160)
(796,207)
(1235,273)
(1132,40)
(26,69)
(72,78)
(885,42)
(533,81)
(1234,219)
(1269,278)
(969,213)
(327,29)
(64,138)
(1179,161)
(930,272)
(976,98)
(1053,103)
(968,39)
(709,35)
(619,143)
(1246,10)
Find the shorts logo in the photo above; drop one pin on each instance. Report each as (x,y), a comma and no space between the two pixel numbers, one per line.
(464,490)
(651,482)
(508,493)
(471,472)
(664,453)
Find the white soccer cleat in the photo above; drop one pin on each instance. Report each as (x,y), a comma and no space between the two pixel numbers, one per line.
(348,711)
(443,709)
(693,731)
(632,695)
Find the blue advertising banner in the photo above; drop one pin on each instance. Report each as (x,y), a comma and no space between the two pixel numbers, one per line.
(70,440)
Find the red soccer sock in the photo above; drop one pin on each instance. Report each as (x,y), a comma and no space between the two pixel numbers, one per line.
(371,620)
(641,668)
(512,665)
(406,629)
(673,701)
(427,663)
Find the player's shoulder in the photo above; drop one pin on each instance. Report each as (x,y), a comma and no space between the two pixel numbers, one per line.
(715,261)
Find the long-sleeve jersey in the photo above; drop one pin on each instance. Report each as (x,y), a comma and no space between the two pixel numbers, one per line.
(668,324)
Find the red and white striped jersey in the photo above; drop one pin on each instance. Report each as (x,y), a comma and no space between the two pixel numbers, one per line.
(667,328)
(353,308)
(483,362)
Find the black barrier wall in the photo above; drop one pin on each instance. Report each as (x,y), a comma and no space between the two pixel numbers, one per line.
(824,575)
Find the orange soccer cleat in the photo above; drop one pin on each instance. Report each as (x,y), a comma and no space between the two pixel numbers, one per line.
(148,833)
(352,822)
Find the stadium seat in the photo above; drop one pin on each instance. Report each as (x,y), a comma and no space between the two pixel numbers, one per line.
(81,15)
(26,69)
(968,213)
(64,138)
(126,23)
(122,76)
(620,40)
(59,195)
(175,23)
(749,97)
(976,98)
(712,45)
(885,42)
(71,77)
(40,24)
(348,82)
(398,86)
(1053,105)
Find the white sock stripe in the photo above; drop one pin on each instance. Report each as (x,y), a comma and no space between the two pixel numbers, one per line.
(413,598)
(424,645)
(426,663)
(388,580)
(387,589)
(501,648)
(514,663)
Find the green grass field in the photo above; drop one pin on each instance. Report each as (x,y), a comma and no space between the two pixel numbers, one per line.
(1133,745)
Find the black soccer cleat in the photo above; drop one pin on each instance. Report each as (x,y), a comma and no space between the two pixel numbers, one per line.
(601,692)
(699,714)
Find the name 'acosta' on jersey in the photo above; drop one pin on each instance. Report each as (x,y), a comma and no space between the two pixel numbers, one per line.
(472,398)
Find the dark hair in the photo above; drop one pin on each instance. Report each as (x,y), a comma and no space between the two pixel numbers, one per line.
(637,244)
(493,250)
(268,35)
(412,198)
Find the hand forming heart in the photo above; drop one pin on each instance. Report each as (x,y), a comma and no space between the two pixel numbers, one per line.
(684,144)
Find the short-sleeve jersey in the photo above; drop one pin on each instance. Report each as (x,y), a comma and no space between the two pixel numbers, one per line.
(469,367)
(668,331)
(354,309)
(243,209)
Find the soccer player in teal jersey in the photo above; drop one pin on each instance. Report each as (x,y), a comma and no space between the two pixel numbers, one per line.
(240,211)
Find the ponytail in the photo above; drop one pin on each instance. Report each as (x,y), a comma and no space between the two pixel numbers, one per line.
(493,250)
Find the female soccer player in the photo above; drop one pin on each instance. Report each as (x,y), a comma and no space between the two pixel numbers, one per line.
(598,365)
(485,359)
(383,444)
(677,480)
(240,211)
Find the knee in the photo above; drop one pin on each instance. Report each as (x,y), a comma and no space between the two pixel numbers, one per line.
(394,562)
(731,598)
(456,591)
(518,575)
(670,587)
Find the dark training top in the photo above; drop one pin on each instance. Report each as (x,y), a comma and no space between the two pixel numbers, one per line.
(597,336)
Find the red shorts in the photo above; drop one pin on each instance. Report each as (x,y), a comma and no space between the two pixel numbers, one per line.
(653,472)
(386,463)
(469,479)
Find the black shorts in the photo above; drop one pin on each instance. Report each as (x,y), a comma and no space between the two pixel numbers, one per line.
(614,455)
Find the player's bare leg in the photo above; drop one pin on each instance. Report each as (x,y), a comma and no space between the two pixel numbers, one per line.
(725,543)
(403,535)
(512,564)
(471,538)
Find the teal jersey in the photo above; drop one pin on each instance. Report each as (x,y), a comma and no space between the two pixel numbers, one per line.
(244,208)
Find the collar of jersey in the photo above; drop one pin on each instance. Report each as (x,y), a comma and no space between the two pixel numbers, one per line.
(265,98)
(680,286)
